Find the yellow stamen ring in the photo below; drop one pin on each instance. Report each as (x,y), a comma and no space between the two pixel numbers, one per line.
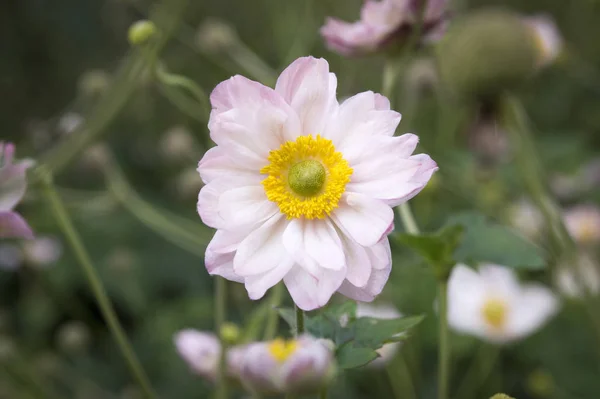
(306,177)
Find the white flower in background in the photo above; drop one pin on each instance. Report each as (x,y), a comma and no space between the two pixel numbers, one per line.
(526,218)
(302,366)
(575,281)
(493,305)
(201,351)
(301,188)
(42,251)
(382,311)
(583,223)
(547,38)
(69,122)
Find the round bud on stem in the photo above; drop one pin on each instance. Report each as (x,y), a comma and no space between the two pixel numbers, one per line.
(230,333)
(486,53)
(140,32)
(501,396)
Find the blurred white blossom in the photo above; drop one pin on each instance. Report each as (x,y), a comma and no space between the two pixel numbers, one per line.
(583,223)
(548,40)
(69,122)
(577,280)
(526,218)
(493,305)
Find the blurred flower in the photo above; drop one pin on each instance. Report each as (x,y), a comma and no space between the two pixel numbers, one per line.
(548,40)
(42,251)
(300,366)
(278,186)
(384,24)
(69,122)
(492,305)
(177,145)
(13,184)
(202,351)
(575,280)
(73,336)
(382,311)
(527,218)
(215,35)
(11,256)
(583,223)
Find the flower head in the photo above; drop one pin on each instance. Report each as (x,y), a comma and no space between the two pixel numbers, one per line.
(549,42)
(383,24)
(527,218)
(13,184)
(301,365)
(301,188)
(492,305)
(583,223)
(382,311)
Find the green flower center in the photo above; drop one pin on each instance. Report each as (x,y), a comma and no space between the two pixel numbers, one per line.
(307,178)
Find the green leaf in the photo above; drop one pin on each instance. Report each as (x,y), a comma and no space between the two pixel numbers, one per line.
(374,333)
(351,356)
(487,242)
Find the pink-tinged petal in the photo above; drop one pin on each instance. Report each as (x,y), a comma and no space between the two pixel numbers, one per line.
(12,225)
(365,219)
(308,368)
(294,242)
(245,206)
(216,164)
(226,241)
(380,254)
(221,265)
(359,117)
(358,263)
(258,284)
(377,281)
(308,87)
(401,181)
(369,156)
(381,102)
(263,249)
(351,39)
(323,244)
(259,371)
(250,119)
(313,291)
(200,351)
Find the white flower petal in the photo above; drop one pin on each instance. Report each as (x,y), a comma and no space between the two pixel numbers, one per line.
(245,206)
(466,297)
(221,265)
(358,263)
(307,86)
(323,244)
(313,291)
(258,284)
(263,249)
(535,305)
(215,164)
(366,220)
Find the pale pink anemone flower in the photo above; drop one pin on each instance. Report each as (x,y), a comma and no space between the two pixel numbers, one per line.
(13,183)
(383,23)
(300,188)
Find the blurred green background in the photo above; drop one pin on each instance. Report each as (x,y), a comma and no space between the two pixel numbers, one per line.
(59,57)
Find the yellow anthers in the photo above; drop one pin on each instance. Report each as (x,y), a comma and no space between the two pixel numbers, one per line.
(495,312)
(281,350)
(296,182)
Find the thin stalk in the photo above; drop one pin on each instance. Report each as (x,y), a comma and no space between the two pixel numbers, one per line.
(323,393)
(72,236)
(444,347)
(299,321)
(408,220)
(403,387)
(273,316)
(220,317)
(480,368)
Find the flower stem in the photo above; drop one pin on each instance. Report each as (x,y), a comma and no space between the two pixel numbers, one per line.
(444,348)
(66,225)
(299,321)
(408,220)
(273,316)
(480,368)
(220,317)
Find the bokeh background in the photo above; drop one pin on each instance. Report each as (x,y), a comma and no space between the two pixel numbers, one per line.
(58,58)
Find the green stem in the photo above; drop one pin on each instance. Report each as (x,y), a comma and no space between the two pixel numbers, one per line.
(408,220)
(299,321)
(167,17)
(444,348)
(480,368)
(323,393)
(400,379)
(220,317)
(83,258)
(273,316)
(179,81)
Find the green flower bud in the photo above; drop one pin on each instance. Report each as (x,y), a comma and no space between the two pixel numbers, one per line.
(485,53)
(230,333)
(501,396)
(140,32)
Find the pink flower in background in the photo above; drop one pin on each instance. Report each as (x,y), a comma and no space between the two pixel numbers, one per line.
(13,184)
(583,223)
(302,366)
(548,39)
(300,188)
(383,23)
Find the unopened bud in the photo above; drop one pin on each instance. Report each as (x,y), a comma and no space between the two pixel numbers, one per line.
(215,35)
(140,32)
(230,333)
(486,53)
(501,396)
